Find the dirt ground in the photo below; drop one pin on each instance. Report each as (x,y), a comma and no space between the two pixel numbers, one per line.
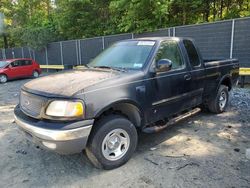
(206,150)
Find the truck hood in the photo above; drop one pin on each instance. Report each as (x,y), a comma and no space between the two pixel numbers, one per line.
(68,83)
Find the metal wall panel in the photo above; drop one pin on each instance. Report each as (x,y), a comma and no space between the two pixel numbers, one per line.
(54,54)
(212,39)
(109,40)
(90,48)
(70,52)
(40,56)
(17,52)
(241,47)
(8,53)
(26,52)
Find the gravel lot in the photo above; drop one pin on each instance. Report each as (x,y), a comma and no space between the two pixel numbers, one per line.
(206,150)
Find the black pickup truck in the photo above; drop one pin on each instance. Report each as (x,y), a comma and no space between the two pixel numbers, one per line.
(134,85)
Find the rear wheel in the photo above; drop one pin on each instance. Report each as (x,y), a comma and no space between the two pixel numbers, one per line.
(35,74)
(220,102)
(112,142)
(3,78)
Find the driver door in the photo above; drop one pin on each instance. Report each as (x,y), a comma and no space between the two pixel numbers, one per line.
(169,87)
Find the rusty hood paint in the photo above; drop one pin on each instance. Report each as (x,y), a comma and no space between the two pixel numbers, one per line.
(66,84)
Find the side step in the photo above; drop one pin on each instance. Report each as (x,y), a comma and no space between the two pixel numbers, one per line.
(172,121)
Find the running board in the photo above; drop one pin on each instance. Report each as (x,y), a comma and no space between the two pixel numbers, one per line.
(172,121)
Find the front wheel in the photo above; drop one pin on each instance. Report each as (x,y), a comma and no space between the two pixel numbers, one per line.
(112,142)
(220,102)
(3,78)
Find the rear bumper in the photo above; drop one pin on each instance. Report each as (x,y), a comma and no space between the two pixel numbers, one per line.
(63,138)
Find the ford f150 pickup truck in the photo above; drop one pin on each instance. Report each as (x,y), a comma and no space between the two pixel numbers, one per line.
(134,85)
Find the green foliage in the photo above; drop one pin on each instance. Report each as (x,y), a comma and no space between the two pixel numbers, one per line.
(38,22)
(34,37)
(139,16)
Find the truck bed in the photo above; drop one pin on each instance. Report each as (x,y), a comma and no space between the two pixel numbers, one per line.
(220,62)
(214,70)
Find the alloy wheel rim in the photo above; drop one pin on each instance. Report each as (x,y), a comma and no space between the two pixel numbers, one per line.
(222,100)
(115,144)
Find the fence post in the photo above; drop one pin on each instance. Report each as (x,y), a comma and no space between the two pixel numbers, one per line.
(103,45)
(30,52)
(22,53)
(46,57)
(4,53)
(173,31)
(132,35)
(77,51)
(13,53)
(232,39)
(80,53)
(61,50)
(169,32)
(34,54)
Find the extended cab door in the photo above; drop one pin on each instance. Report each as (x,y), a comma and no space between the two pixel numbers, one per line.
(168,89)
(197,73)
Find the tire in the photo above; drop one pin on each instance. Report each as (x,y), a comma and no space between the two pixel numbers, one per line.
(104,150)
(35,74)
(3,78)
(219,103)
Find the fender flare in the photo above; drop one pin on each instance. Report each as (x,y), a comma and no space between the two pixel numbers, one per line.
(226,78)
(123,102)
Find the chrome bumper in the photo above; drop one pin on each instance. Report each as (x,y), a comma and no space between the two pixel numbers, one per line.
(56,135)
(61,141)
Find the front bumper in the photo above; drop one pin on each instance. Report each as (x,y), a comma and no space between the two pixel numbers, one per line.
(61,137)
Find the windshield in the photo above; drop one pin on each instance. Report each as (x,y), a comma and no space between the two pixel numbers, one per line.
(126,55)
(3,64)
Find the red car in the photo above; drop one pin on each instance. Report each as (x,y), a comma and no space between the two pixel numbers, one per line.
(18,68)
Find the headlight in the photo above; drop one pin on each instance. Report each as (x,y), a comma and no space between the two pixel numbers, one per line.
(65,109)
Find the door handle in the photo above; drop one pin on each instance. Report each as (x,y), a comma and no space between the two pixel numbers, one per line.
(187,77)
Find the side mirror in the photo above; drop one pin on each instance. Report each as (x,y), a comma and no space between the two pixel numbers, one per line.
(163,65)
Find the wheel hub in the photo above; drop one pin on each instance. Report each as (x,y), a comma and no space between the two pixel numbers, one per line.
(115,144)
(222,99)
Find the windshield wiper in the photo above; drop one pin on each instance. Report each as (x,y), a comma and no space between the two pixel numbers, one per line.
(112,68)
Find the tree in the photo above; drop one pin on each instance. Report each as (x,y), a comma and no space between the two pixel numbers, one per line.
(139,16)
(82,18)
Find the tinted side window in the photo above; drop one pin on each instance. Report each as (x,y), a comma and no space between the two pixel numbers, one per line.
(192,53)
(170,50)
(15,64)
(25,62)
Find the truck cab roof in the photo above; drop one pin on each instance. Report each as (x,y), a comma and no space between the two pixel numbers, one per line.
(159,39)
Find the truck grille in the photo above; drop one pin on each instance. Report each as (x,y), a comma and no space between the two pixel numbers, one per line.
(31,104)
